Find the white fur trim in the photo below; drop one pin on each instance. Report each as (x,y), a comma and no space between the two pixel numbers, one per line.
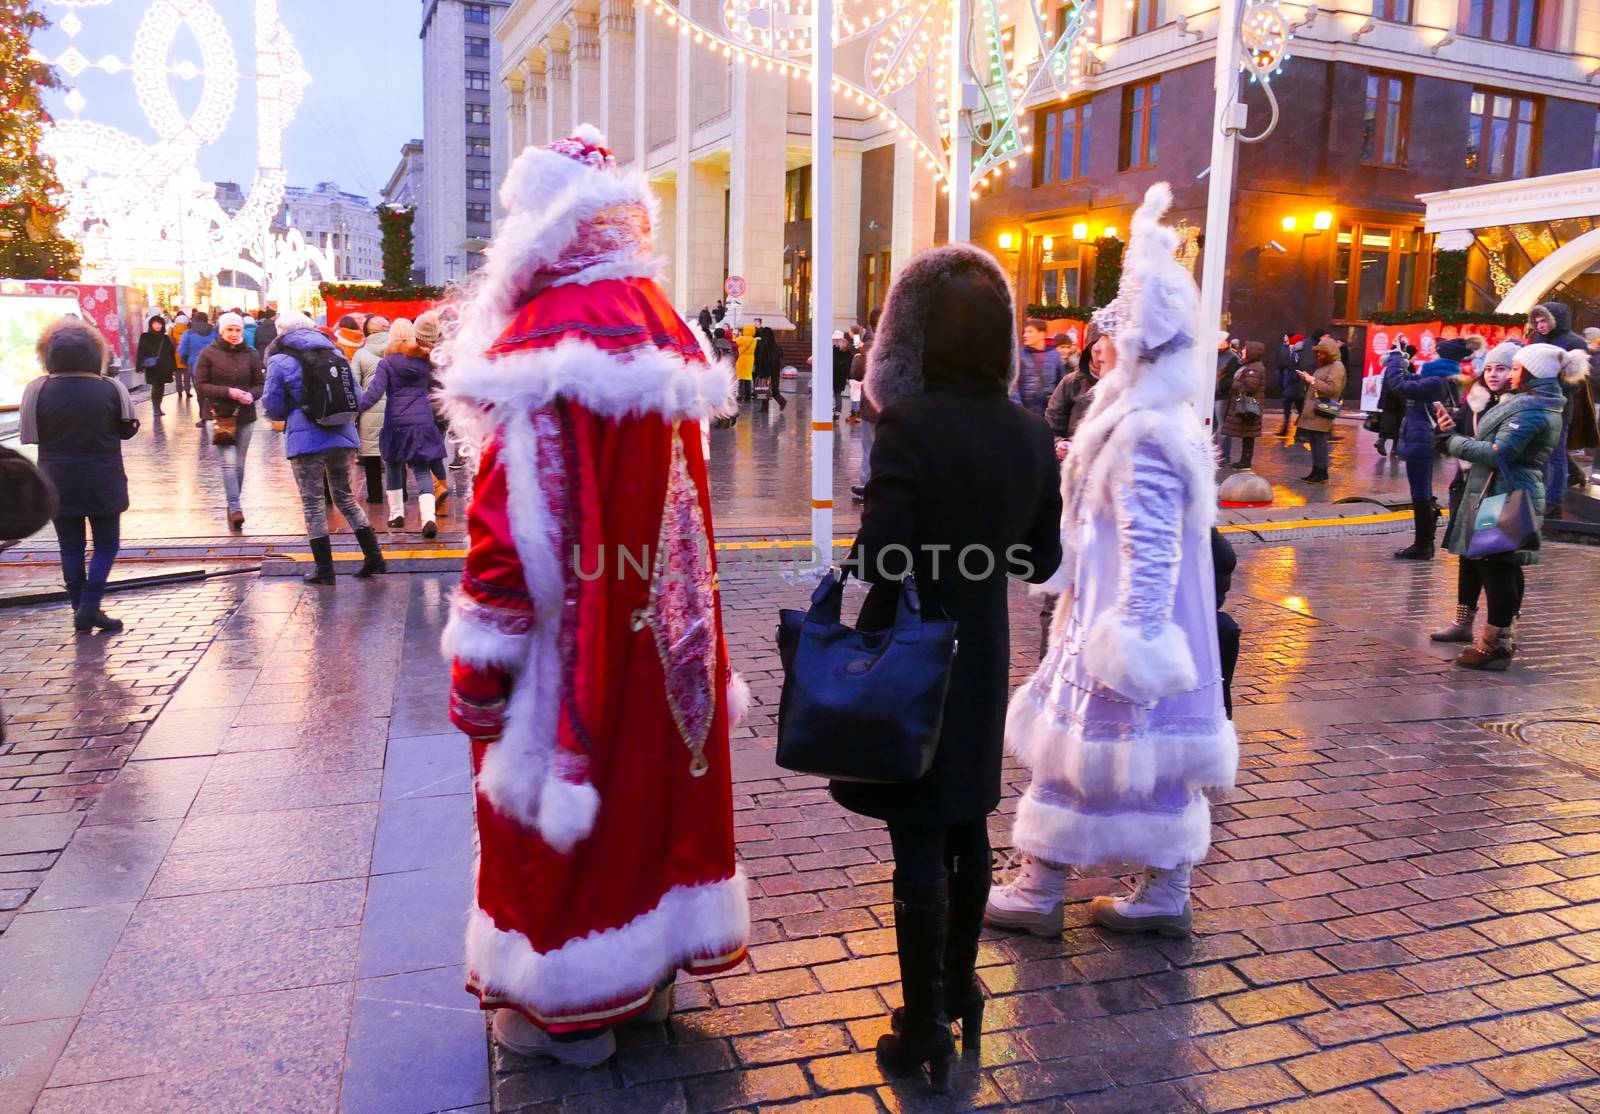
(516,765)
(1146,669)
(480,645)
(1110,768)
(706,921)
(650,381)
(1115,435)
(1052,830)
(566,812)
(738,698)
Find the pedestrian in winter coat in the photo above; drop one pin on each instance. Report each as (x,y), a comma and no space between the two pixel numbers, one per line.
(1391,407)
(1513,446)
(1073,397)
(197,337)
(1038,370)
(1227,364)
(1326,384)
(410,438)
(1434,382)
(266,330)
(365,365)
(868,418)
(157,358)
(769,362)
(318,454)
(843,355)
(1482,395)
(947,436)
(744,366)
(79,419)
(1291,387)
(250,328)
(1123,726)
(1551,323)
(347,335)
(229,378)
(1249,382)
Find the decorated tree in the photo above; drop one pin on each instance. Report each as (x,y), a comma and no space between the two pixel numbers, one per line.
(395,223)
(31,243)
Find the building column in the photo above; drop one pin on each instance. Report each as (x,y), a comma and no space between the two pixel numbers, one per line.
(535,114)
(665,234)
(558,90)
(846,237)
(916,196)
(682,133)
(617,78)
(755,211)
(583,39)
(655,67)
(712,72)
(517,109)
(704,198)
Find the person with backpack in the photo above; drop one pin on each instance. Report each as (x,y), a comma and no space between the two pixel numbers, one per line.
(311,388)
(410,438)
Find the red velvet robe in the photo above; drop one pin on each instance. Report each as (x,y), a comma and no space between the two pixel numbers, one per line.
(590,666)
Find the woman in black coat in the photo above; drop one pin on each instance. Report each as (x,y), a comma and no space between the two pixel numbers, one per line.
(157,359)
(79,419)
(964,491)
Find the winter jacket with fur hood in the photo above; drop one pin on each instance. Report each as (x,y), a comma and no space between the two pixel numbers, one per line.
(957,468)
(365,365)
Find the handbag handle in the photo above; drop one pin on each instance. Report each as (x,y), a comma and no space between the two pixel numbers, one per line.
(828,599)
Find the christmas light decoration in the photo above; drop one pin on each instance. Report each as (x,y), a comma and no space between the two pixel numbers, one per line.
(904,42)
(144,205)
(30,193)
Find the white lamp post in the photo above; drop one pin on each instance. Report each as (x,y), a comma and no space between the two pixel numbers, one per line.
(822,282)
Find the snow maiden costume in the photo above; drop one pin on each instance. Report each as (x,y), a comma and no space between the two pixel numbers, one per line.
(589,666)
(1123,725)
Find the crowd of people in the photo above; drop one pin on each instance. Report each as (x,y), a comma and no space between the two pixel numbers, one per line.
(599,704)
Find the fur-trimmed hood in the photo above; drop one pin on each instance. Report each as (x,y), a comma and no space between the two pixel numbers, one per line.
(895,362)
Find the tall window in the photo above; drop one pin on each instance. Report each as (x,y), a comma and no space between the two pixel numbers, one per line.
(1061,270)
(1395,11)
(1375,268)
(478,211)
(1505,21)
(477,46)
(477,146)
(1388,120)
(477,179)
(1064,153)
(1500,135)
(1141,111)
(478,80)
(1594,156)
(476,13)
(797,194)
(1144,16)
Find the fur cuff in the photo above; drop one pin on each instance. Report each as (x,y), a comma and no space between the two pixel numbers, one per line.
(1057,831)
(473,641)
(738,699)
(566,812)
(1123,660)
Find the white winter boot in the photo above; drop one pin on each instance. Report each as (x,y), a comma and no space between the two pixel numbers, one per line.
(516,1033)
(397,508)
(430,526)
(1032,901)
(1160,904)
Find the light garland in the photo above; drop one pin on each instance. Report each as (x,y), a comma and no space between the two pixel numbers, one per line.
(144,205)
(901,38)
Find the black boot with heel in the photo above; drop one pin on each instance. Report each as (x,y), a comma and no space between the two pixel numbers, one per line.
(969,895)
(923,1041)
(1424,518)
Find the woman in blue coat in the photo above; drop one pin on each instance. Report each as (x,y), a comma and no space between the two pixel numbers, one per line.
(1434,382)
(1513,445)
(410,436)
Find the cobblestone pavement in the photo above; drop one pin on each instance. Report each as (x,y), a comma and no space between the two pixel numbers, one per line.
(263,910)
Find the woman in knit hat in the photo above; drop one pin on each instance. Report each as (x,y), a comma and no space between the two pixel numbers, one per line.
(410,438)
(1483,394)
(1513,445)
(1433,383)
(229,378)
(79,419)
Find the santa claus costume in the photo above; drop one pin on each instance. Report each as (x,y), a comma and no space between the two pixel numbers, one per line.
(589,666)
(1123,724)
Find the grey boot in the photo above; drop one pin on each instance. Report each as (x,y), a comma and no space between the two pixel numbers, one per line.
(1460,630)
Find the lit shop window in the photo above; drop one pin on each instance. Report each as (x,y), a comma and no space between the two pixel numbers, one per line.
(1375,268)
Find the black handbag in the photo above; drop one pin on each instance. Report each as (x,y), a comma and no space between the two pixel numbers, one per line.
(1247,408)
(1371,423)
(859,705)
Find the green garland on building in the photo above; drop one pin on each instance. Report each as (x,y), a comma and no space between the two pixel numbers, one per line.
(1107,269)
(1448,290)
(1457,317)
(367,292)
